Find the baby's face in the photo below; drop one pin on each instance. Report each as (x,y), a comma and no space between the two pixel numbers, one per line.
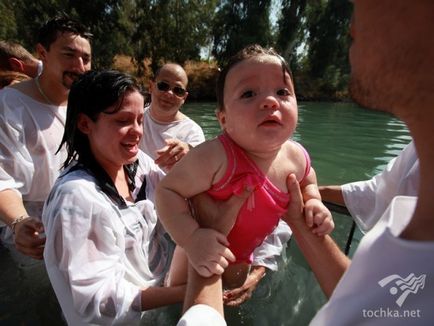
(260,111)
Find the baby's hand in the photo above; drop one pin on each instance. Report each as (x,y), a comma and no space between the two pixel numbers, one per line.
(207,252)
(318,217)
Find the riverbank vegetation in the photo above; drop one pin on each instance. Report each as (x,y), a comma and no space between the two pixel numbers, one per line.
(138,35)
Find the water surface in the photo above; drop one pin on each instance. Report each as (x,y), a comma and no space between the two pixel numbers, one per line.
(346,143)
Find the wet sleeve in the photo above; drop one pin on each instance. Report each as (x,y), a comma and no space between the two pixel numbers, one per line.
(83,255)
(271,248)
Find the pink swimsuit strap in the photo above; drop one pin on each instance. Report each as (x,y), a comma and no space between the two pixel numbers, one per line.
(233,150)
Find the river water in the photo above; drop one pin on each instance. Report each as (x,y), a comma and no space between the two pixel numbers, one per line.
(346,143)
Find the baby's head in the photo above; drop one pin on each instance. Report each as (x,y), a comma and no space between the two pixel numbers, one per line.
(256,100)
(253,51)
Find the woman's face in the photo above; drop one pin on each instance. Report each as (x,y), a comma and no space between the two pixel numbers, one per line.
(114,137)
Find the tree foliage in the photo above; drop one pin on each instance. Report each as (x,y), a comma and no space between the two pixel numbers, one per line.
(311,34)
(290,27)
(240,23)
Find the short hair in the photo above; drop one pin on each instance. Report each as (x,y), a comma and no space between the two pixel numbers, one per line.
(50,31)
(164,66)
(93,93)
(248,52)
(10,50)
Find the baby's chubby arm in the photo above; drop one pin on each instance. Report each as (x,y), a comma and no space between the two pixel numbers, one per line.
(317,215)
(195,173)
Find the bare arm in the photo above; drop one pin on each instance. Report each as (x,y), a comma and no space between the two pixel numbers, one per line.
(191,176)
(309,187)
(325,258)
(27,240)
(332,194)
(201,290)
(209,291)
(206,248)
(317,215)
(155,297)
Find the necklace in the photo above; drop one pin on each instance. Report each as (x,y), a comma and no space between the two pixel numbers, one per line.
(42,93)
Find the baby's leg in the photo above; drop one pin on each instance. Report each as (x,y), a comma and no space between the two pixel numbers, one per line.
(235,275)
(177,274)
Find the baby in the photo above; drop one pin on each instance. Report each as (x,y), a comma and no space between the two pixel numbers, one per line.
(257,110)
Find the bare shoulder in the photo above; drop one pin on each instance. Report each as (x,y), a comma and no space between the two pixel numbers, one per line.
(295,154)
(197,170)
(207,158)
(294,149)
(208,149)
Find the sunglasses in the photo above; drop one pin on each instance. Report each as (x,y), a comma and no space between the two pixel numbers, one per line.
(165,87)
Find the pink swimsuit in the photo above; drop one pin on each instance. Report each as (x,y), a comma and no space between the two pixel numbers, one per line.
(262,210)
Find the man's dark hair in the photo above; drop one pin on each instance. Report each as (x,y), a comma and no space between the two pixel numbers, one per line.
(51,30)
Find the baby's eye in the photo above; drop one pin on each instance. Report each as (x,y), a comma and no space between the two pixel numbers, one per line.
(247,94)
(283,92)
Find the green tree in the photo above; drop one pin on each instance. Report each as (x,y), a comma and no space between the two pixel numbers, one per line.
(171,30)
(290,31)
(329,40)
(8,26)
(107,22)
(239,23)
(103,17)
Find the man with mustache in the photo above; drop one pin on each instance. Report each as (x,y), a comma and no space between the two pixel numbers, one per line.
(32,119)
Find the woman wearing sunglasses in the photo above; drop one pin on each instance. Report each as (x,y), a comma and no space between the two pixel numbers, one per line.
(169,134)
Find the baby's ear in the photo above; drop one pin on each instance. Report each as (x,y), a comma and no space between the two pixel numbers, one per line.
(221,117)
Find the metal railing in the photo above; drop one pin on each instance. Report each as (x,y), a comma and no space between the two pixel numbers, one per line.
(344,211)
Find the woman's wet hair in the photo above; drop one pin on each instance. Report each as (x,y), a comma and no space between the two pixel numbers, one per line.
(250,51)
(93,93)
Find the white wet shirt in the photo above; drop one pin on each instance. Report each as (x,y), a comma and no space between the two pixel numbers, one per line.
(367,200)
(390,280)
(155,133)
(30,134)
(100,256)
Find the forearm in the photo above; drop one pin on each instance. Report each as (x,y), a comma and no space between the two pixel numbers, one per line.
(332,194)
(155,297)
(174,213)
(326,260)
(203,290)
(11,206)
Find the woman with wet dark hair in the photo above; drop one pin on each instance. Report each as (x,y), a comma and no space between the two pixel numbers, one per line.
(99,218)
